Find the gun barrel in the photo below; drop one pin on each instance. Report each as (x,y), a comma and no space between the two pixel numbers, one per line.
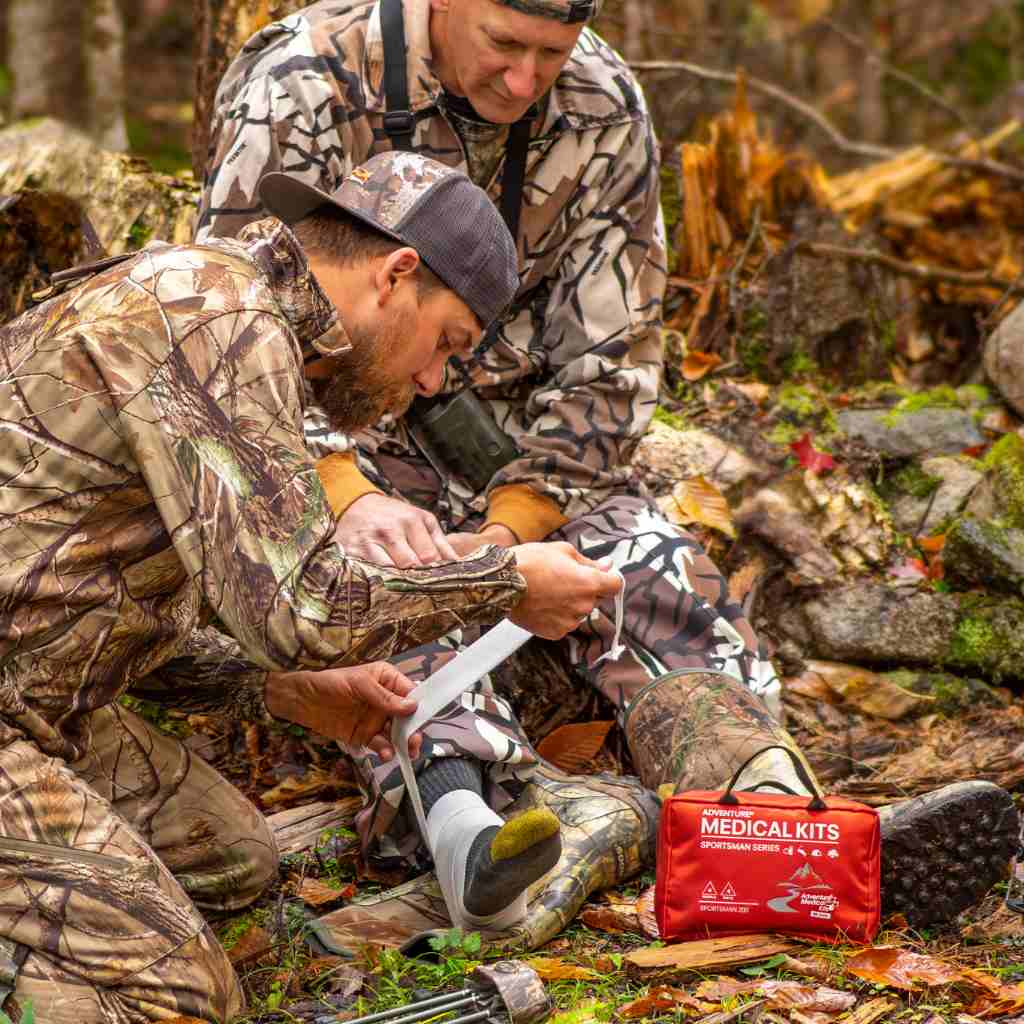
(422,1009)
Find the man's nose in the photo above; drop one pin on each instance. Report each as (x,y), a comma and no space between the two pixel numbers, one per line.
(428,381)
(521,78)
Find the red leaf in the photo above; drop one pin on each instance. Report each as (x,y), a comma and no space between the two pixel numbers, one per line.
(910,569)
(809,456)
(975,450)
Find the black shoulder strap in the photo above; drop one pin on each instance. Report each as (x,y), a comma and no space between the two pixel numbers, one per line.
(514,174)
(398,120)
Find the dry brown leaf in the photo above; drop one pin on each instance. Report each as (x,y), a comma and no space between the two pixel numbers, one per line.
(658,1000)
(697,365)
(741,581)
(316,893)
(784,995)
(867,691)
(757,392)
(646,916)
(817,969)
(931,545)
(697,500)
(573,747)
(554,968)
(614,920)
(899,968)
(873,1010)
(720,952)
(989,1004)
(252,944)
(803,12)
(316,781)
(184,1020)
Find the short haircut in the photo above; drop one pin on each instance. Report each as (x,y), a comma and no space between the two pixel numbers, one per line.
(334,235)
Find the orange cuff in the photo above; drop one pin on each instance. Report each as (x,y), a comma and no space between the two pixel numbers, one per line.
(529,515)
(342,481)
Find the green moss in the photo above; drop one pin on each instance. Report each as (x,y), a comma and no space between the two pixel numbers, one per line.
(798,401)
(973,394)
(783,434)
(670,419)
(952,694)
(139,233)
(913,480)
(974,642)
(751,345)
(232,930)
(1005,464)
(940,397)
(799,364)
(672,210)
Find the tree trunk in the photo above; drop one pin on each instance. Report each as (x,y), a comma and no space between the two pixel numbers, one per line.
(222,27)
(102,56)
(66,62)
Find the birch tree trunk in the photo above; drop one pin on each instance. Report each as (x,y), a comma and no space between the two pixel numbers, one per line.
(66,61)
(222,27)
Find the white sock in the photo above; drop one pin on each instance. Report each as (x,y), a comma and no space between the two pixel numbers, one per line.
(453,823)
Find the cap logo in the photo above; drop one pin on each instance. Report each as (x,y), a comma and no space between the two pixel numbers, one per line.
(361,174)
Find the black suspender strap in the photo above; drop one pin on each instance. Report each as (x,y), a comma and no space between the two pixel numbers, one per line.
(514,174)
(398,120)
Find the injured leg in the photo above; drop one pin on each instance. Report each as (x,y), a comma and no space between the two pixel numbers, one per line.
(484,864)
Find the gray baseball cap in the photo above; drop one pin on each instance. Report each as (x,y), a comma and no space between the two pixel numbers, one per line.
(419,202)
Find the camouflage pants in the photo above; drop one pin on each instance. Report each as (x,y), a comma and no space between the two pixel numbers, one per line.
(102,865)
(677,616)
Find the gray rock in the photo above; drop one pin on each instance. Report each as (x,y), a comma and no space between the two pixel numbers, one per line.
(983,553)
(879,624)
(939,430)
(1004,358)
(669,455)
(923,516)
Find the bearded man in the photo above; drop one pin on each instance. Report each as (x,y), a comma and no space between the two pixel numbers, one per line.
(535,437)
(155,476)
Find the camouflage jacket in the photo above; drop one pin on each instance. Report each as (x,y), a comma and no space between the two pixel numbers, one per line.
(153,469)
(573,376)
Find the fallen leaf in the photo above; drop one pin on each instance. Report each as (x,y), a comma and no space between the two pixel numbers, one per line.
(316,893)
(909,569)
(899,968)
(932,545)
(1004,1000)
(867,691)
(573,747)
(872,1010)
(817,969)
(809,457)
(783,995)
(658,1000)
(614,920)
(975,451)
(757,392)
(184,1020)
(554,968)
(719,952)
(645,914)
(699,364)
(316,781)
(722,988)
(250,945)
(699,501)
(743,579)
(584,1013)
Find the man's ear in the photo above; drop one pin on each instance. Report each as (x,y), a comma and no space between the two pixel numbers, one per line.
(440,6)
(396,266)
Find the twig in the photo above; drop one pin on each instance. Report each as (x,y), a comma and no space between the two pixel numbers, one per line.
(997,308)
(755,232)
(839,140)
(757,85)
(972,279)
(901,76)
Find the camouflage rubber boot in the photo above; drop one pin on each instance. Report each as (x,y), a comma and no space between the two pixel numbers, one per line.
(943,851)
(694,730)
(609,828)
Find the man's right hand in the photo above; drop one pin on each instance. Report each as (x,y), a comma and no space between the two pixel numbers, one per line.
(387,531)
(562,588)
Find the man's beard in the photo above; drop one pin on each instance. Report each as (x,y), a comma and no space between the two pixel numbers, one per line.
(361,390)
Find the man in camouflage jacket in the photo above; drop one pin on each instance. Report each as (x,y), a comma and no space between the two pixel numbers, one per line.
(155,476)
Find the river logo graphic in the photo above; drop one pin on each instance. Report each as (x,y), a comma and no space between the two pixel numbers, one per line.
(806,883)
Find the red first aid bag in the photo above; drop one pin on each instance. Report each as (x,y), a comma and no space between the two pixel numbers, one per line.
(730,863)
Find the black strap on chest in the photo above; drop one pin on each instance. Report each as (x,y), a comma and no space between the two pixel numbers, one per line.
(399,122)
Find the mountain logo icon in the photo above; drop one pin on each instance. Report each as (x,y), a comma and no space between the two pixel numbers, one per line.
(805,877)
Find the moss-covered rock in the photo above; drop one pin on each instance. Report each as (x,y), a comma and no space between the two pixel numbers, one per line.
(1000,497)
(952,694)
(986,554)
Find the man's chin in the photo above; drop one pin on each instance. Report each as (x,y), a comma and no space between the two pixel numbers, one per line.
(491,106)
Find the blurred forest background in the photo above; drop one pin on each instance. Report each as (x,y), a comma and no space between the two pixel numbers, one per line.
(883,72)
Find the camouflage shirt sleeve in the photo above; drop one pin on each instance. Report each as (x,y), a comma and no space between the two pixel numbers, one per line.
(596,326)
(250,141)
(214,420)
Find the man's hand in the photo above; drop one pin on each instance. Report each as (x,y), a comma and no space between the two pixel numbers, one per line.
(562,588)
(353,705)
(467,543)
(387,531)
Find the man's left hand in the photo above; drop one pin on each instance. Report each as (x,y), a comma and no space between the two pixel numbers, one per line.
(353,705)
(466,543)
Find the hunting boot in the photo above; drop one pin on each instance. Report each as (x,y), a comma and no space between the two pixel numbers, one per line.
(609,828)
(941,852)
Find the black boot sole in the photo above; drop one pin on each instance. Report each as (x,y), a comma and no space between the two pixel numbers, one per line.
(942,852)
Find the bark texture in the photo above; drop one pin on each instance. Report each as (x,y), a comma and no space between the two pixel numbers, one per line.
(222,27)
